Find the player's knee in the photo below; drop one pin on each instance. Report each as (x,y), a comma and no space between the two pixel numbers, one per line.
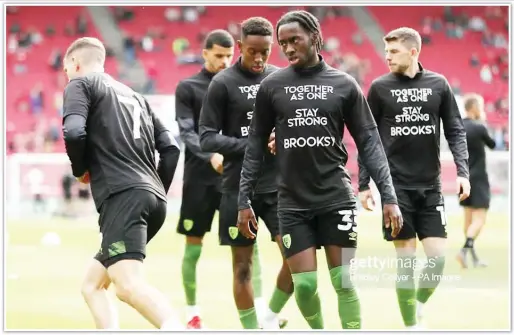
(242,271)
(88,289)
(436,263)
(125,289)
(305,284)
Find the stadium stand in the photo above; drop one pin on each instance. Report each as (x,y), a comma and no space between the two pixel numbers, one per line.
(467,44)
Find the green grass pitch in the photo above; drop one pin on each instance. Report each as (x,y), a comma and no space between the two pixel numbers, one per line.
(43,282)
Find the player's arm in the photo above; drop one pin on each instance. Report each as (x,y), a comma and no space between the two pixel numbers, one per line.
(214,111)
(261,126)
(167,148)
(186,124)
(488,140)
(76,104)
(374,105)
(454,131)
(363,128)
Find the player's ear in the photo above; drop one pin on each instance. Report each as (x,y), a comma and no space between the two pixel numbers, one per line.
(314,38)
(205,54)
(239,45)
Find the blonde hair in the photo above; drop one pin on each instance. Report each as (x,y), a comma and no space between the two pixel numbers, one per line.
(405,35)
(473,99)
(90,49)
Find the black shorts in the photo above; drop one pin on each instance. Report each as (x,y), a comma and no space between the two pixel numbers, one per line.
(128,221)
(480,196)
(423,214)
(264,207)
(304,229)
(199,204)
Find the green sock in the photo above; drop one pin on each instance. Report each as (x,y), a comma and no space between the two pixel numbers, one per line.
(307,298)
(191,256)
(248,318)
(406,290)
(347,299)
(278,300)
(430,278)
(256,273)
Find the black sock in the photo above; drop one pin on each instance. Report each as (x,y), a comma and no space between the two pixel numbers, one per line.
(469,243)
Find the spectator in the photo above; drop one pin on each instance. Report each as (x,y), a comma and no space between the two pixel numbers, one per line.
(147,44)
(172,14)
(180,45)
(15,28)
(474,61)
(331,44)
(190,15)
(129,46)
(12,44)
(56,60)
(50,30)
(486,74)
(477,24)
(36,99)
(81,24)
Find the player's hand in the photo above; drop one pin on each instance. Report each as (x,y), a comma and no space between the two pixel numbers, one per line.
(245,218)
(366,199)
(85,178)
(217,162)
(463,188)
(393,218)
(271,143)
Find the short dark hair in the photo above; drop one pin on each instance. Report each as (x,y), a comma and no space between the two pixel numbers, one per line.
(219,37)
(256,26)
(307,21)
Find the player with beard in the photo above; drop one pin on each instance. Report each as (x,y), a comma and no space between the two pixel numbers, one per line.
(408,105)
(111,136)
(201,192)
(476,206)
(224,121)
(310,103)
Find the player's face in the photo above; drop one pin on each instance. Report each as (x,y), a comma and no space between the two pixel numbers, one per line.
(297,44)
(71,67)
(255,51)
(398,56)
(218,58)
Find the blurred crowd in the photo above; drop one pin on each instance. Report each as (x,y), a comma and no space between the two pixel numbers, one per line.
(185,54)
(46,132)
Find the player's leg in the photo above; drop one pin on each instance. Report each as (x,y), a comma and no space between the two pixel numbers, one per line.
(94,291)
(242,255)
(130,219)
(462,254)
(337,232)
(431,224)
(479,216)
(199,203)
(405,247)
(299,245)
(267,209)
(478,206)
(259,301)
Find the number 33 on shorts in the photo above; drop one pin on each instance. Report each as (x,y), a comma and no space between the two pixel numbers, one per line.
(348,223)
